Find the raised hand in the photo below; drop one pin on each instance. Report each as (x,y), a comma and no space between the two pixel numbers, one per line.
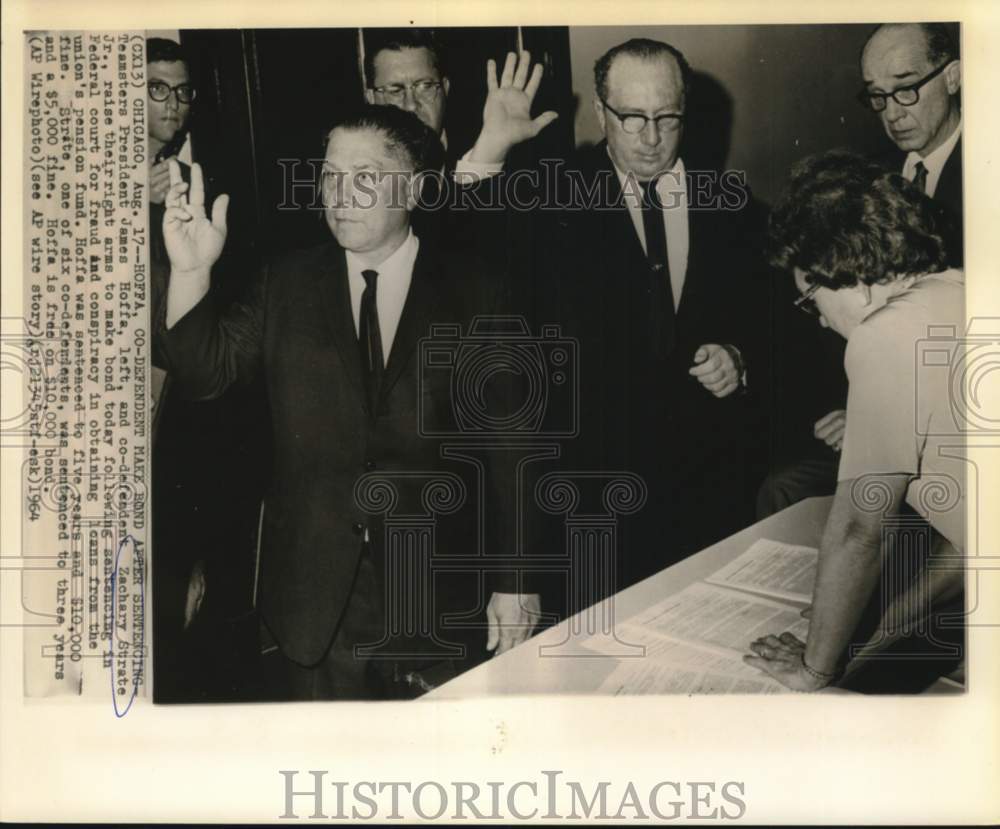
(507,115)
(194,243)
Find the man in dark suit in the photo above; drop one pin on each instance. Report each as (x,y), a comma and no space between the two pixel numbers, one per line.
(335,332)
(912,79)
(405,68)
(646,264)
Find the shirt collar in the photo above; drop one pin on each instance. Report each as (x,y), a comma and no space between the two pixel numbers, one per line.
(935,161)
(399,261)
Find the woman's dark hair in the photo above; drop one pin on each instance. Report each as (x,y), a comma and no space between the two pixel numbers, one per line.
(845,219)
(406,136)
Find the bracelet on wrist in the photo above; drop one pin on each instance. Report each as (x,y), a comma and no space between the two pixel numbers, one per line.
(826,677)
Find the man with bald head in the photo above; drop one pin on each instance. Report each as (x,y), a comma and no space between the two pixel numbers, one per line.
(913,80)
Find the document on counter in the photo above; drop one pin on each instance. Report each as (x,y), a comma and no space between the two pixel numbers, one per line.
(671,666)
(771,568)
(707,614)
(695,640)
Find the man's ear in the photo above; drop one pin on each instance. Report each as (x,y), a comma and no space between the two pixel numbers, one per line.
(601,114)
(370,96)
(414,187)
(445,85)
(953,77)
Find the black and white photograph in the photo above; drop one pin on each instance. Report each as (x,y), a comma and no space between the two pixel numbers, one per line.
(500,414)
(623,337)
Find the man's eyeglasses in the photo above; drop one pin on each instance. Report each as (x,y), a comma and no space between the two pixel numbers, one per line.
(806,303)
(424,91)
(160,91)
(633,123)
(905,96)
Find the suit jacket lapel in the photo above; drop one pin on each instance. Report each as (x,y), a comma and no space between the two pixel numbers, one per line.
(415,320)
(949,186)
(336,300)
(621,239)
(698,244)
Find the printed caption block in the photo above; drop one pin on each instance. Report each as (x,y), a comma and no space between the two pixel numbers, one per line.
(85,342)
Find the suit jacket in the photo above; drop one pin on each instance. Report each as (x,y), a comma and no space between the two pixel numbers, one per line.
(638,411)
(948,194)
(296,326)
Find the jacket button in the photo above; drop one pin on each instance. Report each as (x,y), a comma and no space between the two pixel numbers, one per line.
(369,465)
(358,528)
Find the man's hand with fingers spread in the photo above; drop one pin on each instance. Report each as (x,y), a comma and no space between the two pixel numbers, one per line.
(507,117)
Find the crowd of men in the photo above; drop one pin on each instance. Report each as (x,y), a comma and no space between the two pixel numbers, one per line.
(657,286)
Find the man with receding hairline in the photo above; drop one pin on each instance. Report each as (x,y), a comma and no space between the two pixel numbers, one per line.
(913,79)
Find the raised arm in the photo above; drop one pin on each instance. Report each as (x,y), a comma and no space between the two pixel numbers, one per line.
(206,351)
(194,242)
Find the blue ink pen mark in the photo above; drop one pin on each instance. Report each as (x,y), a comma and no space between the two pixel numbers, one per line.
(141,633)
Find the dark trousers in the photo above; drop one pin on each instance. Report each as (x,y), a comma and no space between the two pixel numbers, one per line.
(344,673)
(796,481)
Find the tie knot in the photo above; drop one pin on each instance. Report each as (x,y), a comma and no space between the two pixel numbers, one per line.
(370,278)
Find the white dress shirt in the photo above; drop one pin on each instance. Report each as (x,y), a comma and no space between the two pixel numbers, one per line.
(391,288)
(934,162)
(672,190)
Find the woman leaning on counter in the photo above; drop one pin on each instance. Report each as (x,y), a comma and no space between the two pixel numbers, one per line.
(866,252)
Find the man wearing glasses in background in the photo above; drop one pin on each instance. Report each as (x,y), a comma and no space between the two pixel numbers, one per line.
(182,433)
(404,70)
(171,94)
(912,79)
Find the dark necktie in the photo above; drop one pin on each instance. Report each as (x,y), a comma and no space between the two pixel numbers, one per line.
(370,342)
(661,300)
(920,177)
